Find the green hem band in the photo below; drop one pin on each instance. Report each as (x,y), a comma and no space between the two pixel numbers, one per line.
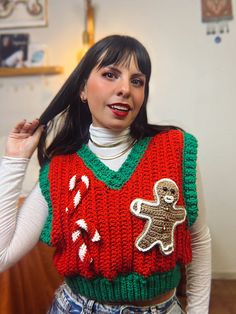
(131,287)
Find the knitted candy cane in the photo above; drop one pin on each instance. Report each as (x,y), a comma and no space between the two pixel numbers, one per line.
(77,236)
(81,184)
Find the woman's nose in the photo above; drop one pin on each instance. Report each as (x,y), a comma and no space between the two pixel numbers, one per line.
(123,89)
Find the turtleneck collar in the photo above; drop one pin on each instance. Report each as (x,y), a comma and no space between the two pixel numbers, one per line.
(105,136)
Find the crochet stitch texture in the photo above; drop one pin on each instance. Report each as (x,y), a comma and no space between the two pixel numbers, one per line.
(110,267)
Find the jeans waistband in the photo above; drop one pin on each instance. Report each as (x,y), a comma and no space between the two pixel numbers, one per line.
(122,309)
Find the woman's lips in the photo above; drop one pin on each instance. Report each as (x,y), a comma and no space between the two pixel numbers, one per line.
(120,110)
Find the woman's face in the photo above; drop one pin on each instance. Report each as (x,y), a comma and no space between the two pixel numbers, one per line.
(115,94)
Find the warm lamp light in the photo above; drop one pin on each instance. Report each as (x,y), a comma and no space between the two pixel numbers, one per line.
(88,33)
(82,52)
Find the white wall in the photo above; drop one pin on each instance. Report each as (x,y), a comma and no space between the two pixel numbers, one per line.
(192,86)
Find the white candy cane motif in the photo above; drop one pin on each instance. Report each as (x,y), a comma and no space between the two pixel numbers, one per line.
(77,237)
(78,186)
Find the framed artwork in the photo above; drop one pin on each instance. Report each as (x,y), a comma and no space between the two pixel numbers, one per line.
(23,13)
(216,14)
(216,10)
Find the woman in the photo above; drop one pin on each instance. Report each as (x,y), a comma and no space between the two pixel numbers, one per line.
(116,195)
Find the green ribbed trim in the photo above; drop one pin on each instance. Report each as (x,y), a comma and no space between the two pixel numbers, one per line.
(114,179)
(189,177)
(45,188)
(131,287)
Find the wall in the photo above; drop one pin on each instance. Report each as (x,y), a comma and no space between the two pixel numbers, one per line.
(192,86)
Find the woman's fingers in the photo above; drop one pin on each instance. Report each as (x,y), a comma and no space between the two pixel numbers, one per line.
(25,127)
(30,127)
(17,128)
(34,124)
(24,138)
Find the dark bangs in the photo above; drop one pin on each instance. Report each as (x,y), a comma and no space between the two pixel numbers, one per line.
(120,50)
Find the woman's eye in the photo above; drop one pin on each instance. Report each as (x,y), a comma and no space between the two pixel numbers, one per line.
(137,82)
(109,75)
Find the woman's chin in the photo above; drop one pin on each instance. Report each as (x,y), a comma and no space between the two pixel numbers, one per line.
(116,126)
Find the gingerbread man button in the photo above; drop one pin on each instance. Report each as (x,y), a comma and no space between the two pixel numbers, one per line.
(162,217)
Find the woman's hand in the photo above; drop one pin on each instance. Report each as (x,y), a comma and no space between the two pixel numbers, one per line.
(23,139)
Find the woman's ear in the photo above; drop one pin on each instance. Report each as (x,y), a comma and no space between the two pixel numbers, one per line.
(83,94)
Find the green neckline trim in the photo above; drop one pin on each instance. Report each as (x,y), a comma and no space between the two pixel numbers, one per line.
(114,179)
(189,177)
(45,188)
(130,287)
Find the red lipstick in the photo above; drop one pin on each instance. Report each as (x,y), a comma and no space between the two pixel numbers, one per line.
(119,109)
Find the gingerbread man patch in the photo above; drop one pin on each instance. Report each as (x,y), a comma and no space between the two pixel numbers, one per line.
(162,217)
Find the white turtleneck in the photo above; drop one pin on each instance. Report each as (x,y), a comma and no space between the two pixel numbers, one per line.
(20,228)
(106,137)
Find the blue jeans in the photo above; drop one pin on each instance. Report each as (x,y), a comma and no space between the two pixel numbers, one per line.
(66,301)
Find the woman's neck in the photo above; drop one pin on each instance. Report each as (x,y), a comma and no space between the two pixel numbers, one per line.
(111,147)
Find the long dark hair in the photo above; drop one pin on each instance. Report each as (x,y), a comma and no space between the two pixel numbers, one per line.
(68,118)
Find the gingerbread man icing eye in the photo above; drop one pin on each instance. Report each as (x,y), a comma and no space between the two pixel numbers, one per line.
(161,215)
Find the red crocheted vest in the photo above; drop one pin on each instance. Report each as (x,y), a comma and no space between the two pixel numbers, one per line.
(121,235)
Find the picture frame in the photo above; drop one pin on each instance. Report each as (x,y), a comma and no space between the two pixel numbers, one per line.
(23,13)
(14,50)
(37,55)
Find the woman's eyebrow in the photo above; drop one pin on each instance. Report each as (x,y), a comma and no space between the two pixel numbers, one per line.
(115,69)
(138,74)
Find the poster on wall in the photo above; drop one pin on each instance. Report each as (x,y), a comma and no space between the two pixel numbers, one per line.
(13,50)
(23,13)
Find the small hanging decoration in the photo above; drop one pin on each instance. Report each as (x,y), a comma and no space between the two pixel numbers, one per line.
(216,14)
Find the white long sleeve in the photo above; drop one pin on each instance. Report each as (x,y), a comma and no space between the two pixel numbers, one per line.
(198,272)
(19,228)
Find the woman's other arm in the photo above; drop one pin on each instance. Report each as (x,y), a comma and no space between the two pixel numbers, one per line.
(198,272)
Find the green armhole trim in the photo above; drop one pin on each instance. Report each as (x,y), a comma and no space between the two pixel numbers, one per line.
(45,188)
(189,177)
(114,179)
(130,287)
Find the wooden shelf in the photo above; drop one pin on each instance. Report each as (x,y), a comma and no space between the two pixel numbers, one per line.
(46,70)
